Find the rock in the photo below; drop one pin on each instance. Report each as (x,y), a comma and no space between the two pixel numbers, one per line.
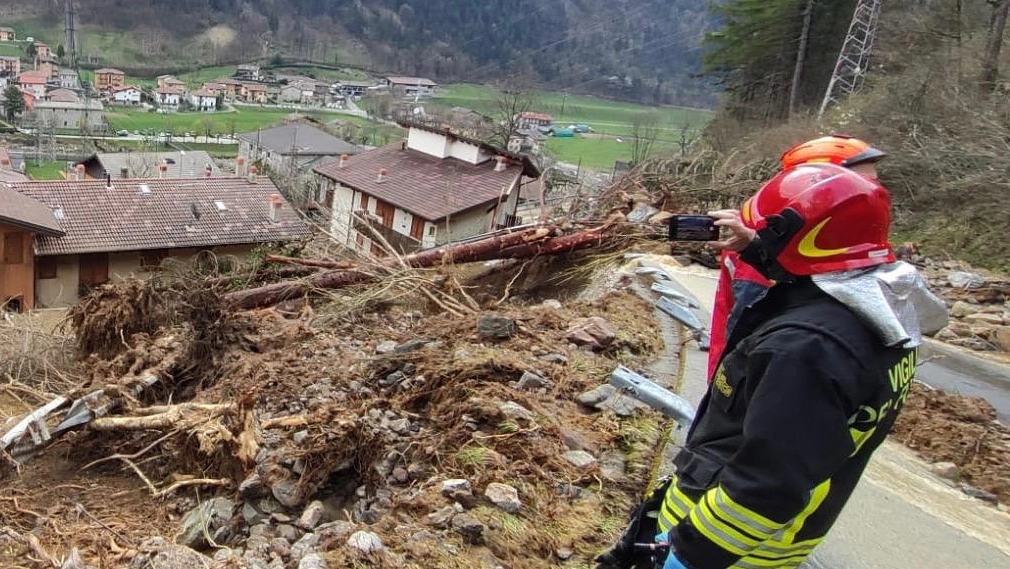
(335,531)
(252,486)
(980,494)
(964,279)
(570,491)
(251,515)
(612,466)
(386,347)
(400,475)
(400,426)
(531,381)
(946,470)
(312,561)
(156,553)
(513,410)
(621,405)
(551,303)
(1001,337)
(205,519)
(300,436)
(564,554)
(984,318)
(280,517)
(286,492)
(257,545)
(261,530)
(442,517)
(422,536)
(594,333)
(287,531)
(411,346)
(469,527)
(960,309)
(460,354)
(280,546)
(595,396)
(304,546)
(493,327)
(365,542)
(580,458)
(503,496)
(554,359)
(395,378)
(642,213)
(454,485)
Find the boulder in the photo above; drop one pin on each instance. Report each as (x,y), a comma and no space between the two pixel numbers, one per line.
(494,327)
(208,519)
(503,496)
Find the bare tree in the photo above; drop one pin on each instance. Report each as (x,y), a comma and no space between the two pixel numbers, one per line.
(994,44)
(516,96)
(801,56)
(644,132)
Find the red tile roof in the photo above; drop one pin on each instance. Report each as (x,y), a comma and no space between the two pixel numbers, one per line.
(122,88)
(108,71)
(125,218)
(530,115)
(32,78)
(204,93)
(23,211)
(424,185)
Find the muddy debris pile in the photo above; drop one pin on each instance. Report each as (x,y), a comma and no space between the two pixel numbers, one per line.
(392,434)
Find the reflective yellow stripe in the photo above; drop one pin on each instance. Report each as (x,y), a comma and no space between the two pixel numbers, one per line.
(754,522)
(750,541)
(816,499)
(676,506)
(859,438)
(705,528)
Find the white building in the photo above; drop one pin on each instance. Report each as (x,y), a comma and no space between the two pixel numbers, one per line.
(203,100)
(435,188)
(126,95)
(169,97)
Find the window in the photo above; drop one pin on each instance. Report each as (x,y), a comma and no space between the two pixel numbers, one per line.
(431,231)
(14,248)
(45,267)
(152,259)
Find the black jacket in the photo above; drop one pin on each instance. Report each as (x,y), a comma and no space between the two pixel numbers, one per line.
(803,396)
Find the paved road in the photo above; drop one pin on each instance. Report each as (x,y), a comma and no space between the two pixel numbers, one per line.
(901,516)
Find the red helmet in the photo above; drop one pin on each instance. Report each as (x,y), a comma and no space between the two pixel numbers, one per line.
(835,149)
(820,218)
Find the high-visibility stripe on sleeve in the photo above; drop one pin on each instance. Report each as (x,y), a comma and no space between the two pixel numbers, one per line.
(676,507)
(754,523)
(720,533)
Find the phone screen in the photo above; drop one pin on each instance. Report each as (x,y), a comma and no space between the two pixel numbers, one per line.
(693,228)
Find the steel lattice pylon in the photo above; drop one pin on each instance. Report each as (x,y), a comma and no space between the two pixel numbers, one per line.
(850,70)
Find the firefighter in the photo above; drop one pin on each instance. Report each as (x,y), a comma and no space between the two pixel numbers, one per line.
(740,285)
(810,381)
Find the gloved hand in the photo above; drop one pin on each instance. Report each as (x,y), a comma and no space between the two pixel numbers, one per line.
(672,562)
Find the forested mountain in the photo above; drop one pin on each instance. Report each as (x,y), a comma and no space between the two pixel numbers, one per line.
(646,50)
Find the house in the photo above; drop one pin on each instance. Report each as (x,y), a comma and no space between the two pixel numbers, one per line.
(292,147)
(248,72)
(123,165)
(170,81)
(29,97)
(126,95)
(69,79)
(203,100)
(527,141)
(42,51)
(352,88)
(11,169)
(532,120)
(88,232)
(23,220)
(34,82)
(8,34)
(170,97)
(293,93)
(48,67)
(107,79)
(253,92)
(63,96)
(10,65)
(435,188)
(410,86)
(86,114)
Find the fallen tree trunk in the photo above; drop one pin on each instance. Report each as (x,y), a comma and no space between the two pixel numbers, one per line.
(282,272)
(564,244)
(461,253)
(320,263)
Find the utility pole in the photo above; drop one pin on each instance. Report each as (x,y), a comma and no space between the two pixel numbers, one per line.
(853,61)
(71,34)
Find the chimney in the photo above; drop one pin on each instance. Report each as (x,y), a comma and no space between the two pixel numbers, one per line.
(108,181)
(274,211)
(343,161)
(79,172)
(252,174)
(501,165)
(208,171)
(382,176)
(162,168)
(240,166)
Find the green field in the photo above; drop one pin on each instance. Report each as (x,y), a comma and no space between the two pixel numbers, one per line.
(223,122)
(203,75)
(47,170)
(11,49)
(322,73)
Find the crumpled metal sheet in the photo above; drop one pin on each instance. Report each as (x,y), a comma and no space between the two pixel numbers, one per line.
(893,299)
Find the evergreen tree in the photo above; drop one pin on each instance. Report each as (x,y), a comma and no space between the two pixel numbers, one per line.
(14,102)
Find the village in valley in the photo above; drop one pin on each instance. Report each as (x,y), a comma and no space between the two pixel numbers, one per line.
(278,314)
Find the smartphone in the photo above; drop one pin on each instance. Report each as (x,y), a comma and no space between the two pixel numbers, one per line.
(693,228)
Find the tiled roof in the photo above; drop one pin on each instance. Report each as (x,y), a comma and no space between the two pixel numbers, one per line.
(125,88)
(124,218)
(108,71)
(32,78)
(89,104)
(254,86)
(170,91)
(189,164)
(430,187)
(411,81)
(63,96)
(530,115)
(204,93)
(24,211)
(304,139)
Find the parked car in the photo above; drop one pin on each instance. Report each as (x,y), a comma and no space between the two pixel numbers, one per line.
(122,133)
